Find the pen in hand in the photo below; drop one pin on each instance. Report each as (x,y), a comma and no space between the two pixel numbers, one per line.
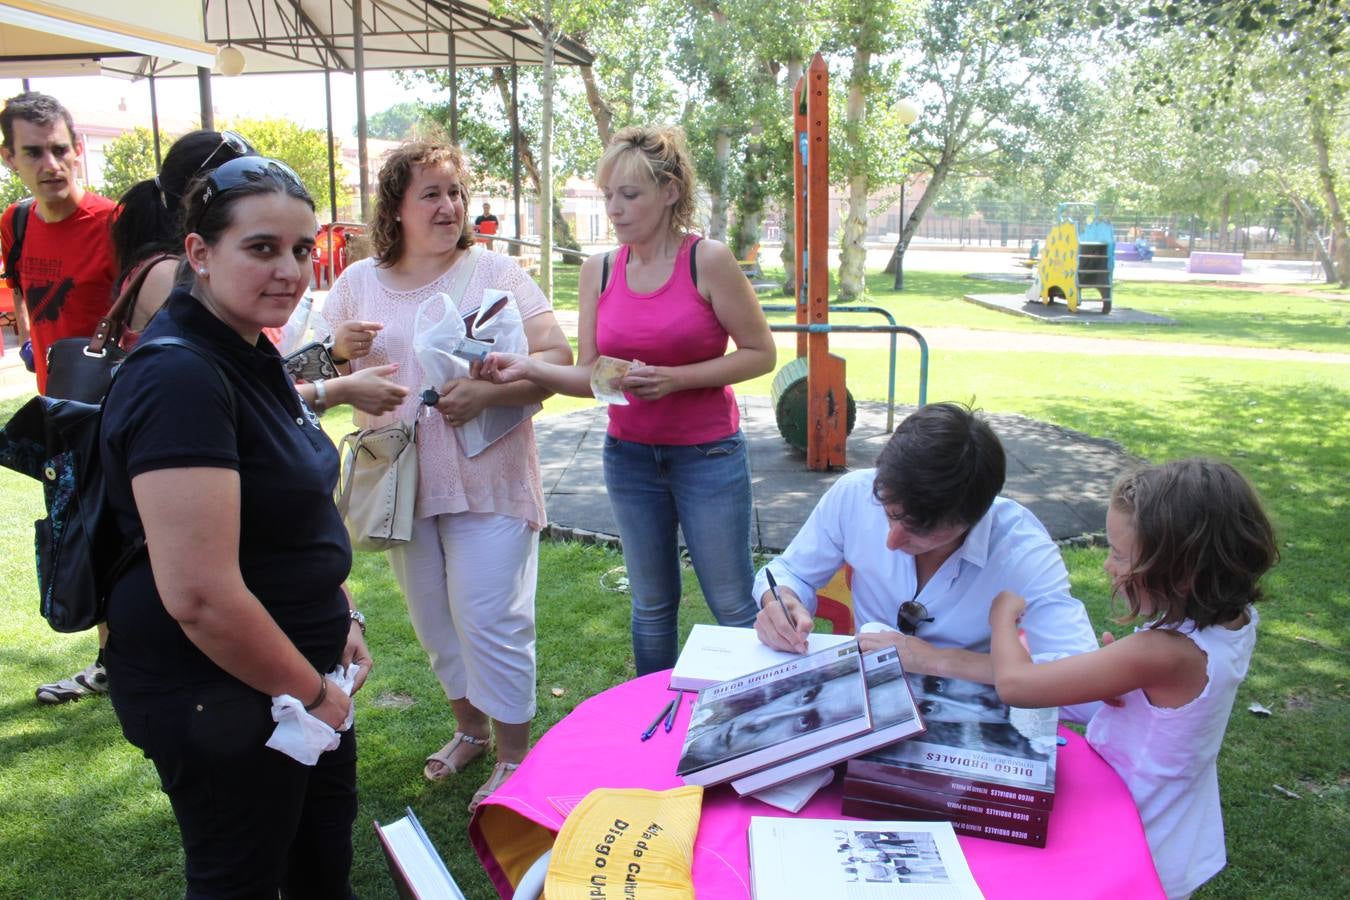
(656,723)
(773,589)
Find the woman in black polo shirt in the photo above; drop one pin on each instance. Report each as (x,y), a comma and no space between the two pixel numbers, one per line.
(241,597)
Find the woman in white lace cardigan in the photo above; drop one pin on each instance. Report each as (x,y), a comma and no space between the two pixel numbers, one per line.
(469,572)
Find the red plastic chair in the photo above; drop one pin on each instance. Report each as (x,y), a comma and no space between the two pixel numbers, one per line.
(834,602)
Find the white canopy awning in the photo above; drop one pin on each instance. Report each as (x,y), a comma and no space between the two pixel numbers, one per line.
(69,37)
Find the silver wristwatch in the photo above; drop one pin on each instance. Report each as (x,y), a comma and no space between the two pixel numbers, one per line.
(359,618)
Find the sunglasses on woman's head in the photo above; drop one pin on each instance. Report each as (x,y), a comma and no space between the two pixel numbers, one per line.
(243,171)
(912,615)
(232,141)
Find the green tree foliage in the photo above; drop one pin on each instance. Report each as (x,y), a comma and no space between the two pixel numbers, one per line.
(866,145)
(11,189)
(998,94)
(397,123)
(130,158)
(303,149)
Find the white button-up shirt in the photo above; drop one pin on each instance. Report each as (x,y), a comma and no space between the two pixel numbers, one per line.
(1008,549)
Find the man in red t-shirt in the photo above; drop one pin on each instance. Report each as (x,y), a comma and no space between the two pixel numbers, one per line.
(65,270)
(66,263)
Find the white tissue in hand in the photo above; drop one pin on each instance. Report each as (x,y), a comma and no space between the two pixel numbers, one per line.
(302,736)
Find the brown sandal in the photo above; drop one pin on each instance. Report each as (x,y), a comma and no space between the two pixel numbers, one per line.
(442,757)
(500,772)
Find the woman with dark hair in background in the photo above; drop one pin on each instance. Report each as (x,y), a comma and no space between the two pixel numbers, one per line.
(241,597)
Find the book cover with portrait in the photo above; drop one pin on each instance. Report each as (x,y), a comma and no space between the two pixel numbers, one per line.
(975,745)
(894,717)
(743,725)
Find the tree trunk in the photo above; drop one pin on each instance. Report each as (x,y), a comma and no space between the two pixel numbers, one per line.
(562,232)
(853,251)
(788,254)
(547,32)
(930,195)
(717,186)
(1319,132)
(604,116)
(1225,208)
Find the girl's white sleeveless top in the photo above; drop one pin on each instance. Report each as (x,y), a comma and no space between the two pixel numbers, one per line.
(1169,759)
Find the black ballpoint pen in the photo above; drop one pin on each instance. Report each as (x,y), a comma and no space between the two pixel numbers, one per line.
(656,723)
(773,589)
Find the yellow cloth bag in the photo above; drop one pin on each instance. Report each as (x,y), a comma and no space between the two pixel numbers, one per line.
(627,843)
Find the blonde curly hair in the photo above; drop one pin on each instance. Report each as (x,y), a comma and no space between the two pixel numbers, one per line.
(659,154)
(386,231)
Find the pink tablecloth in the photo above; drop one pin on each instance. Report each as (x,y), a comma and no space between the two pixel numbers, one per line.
(1095,846)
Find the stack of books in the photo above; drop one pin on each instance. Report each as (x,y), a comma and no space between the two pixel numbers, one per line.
(985,767)
(799,716)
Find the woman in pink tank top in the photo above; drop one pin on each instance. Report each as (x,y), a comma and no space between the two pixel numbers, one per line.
(669,303)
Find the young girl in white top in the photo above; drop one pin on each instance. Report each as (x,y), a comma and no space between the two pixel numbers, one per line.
(1188,543)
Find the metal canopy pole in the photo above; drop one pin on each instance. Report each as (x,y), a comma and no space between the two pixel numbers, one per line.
(454,82)
(332,160)
(154,119)
(362,157)
(204,97)
(515,147)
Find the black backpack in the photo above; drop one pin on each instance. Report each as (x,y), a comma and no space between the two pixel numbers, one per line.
(80,549)
(19,224)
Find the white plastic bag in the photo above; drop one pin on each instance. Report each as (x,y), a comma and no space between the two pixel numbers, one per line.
(440,332)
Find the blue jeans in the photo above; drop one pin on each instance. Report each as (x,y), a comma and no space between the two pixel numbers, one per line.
(656,489)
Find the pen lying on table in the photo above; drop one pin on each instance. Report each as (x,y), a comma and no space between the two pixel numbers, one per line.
(674,708)
(666,710)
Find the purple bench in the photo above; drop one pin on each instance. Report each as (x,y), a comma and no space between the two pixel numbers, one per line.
(1209,263)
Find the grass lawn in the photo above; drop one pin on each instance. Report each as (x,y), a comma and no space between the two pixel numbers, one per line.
(85,817)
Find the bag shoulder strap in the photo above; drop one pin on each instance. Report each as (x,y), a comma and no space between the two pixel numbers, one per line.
(604,270)
(111,326)
(171,341)
(22,209)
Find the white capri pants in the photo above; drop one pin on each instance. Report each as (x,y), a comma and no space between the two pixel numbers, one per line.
(469,581)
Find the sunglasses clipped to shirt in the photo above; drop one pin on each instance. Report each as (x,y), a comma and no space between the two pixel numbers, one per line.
(912,615)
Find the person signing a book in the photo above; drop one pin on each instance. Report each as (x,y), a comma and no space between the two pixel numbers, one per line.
(931,544)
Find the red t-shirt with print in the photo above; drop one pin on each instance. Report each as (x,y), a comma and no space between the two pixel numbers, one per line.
(66,271)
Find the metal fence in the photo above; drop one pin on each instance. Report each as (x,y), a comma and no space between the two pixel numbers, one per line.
(1277,231)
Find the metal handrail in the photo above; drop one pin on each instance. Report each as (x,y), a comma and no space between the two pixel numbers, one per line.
(892,329)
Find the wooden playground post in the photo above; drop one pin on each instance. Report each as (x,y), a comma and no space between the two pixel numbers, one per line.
(827,403)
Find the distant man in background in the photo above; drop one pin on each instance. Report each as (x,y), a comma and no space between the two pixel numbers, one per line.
(64,270)
(486,224)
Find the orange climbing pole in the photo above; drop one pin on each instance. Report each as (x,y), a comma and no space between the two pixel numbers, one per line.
(827,406)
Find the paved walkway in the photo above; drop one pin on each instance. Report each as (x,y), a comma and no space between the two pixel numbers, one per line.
(1063,476)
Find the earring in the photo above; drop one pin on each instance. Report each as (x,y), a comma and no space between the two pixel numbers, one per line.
(202,271)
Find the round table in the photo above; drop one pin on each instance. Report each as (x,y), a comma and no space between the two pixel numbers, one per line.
(1095,844)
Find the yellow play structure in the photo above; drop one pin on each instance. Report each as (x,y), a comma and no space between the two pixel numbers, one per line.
(1079,253)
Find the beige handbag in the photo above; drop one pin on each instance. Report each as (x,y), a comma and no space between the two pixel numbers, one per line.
(378,486)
